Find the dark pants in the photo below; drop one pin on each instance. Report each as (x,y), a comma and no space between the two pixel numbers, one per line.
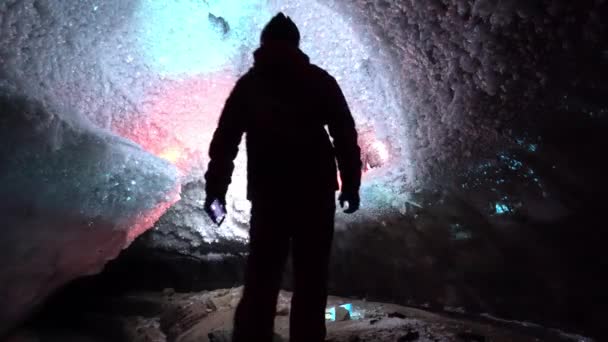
(307,225)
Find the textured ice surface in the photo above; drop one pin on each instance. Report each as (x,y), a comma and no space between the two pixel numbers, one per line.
(211,45)
(73,194)
(156,73)
(167,68)
(431,84)
(454,90)
(72,197)
(159,72)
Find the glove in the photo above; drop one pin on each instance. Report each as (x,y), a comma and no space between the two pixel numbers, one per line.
(353,201)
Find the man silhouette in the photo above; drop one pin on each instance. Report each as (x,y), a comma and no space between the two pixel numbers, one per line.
(283,104)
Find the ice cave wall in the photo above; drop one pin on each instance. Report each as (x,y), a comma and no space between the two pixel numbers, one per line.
(481,183)
(476,74)
(508,121)
(477,83)
(504,119)
(73,194)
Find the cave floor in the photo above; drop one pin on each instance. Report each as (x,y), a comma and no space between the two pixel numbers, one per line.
(207,316)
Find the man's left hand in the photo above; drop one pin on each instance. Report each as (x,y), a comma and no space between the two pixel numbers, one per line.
(353,201)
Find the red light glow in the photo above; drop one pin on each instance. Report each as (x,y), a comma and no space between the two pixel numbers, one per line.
(178,120)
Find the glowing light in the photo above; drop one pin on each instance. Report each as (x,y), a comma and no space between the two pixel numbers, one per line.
(502,208)
(172,154)
(354,314)
(374,152)
(381,149)
(330,314)
(512,163)
(193,36)
(181,118)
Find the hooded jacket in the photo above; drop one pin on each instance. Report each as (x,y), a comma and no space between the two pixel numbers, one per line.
(283,105)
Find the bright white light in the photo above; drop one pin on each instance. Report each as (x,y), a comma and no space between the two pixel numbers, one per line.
(382,150)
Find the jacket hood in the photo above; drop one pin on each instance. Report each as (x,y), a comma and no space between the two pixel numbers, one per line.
(279,55)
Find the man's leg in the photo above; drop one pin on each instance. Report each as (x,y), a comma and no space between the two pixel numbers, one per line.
(268,249)
(311,250)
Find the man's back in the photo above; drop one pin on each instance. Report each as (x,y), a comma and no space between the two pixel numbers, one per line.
(283,105)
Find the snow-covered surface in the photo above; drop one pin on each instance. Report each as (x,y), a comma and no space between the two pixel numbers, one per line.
(190,317)
(158,74)
(72,197)
(73,194)
(421,78)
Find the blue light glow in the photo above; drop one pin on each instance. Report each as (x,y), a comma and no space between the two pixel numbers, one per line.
(513,163)
(189,36)
(330,314)
(348,307)
(502,208)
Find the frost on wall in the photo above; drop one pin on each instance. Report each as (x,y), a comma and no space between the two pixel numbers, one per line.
(506,121)
(158,73)
(101,79)
(443,91)
(481,78)
(187,110)
(433,85)
(436,87)
(73,195)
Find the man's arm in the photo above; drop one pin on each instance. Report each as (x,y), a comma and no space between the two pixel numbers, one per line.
(225,146)
(342,129)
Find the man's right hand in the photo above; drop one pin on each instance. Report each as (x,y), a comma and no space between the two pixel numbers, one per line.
(353,200)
